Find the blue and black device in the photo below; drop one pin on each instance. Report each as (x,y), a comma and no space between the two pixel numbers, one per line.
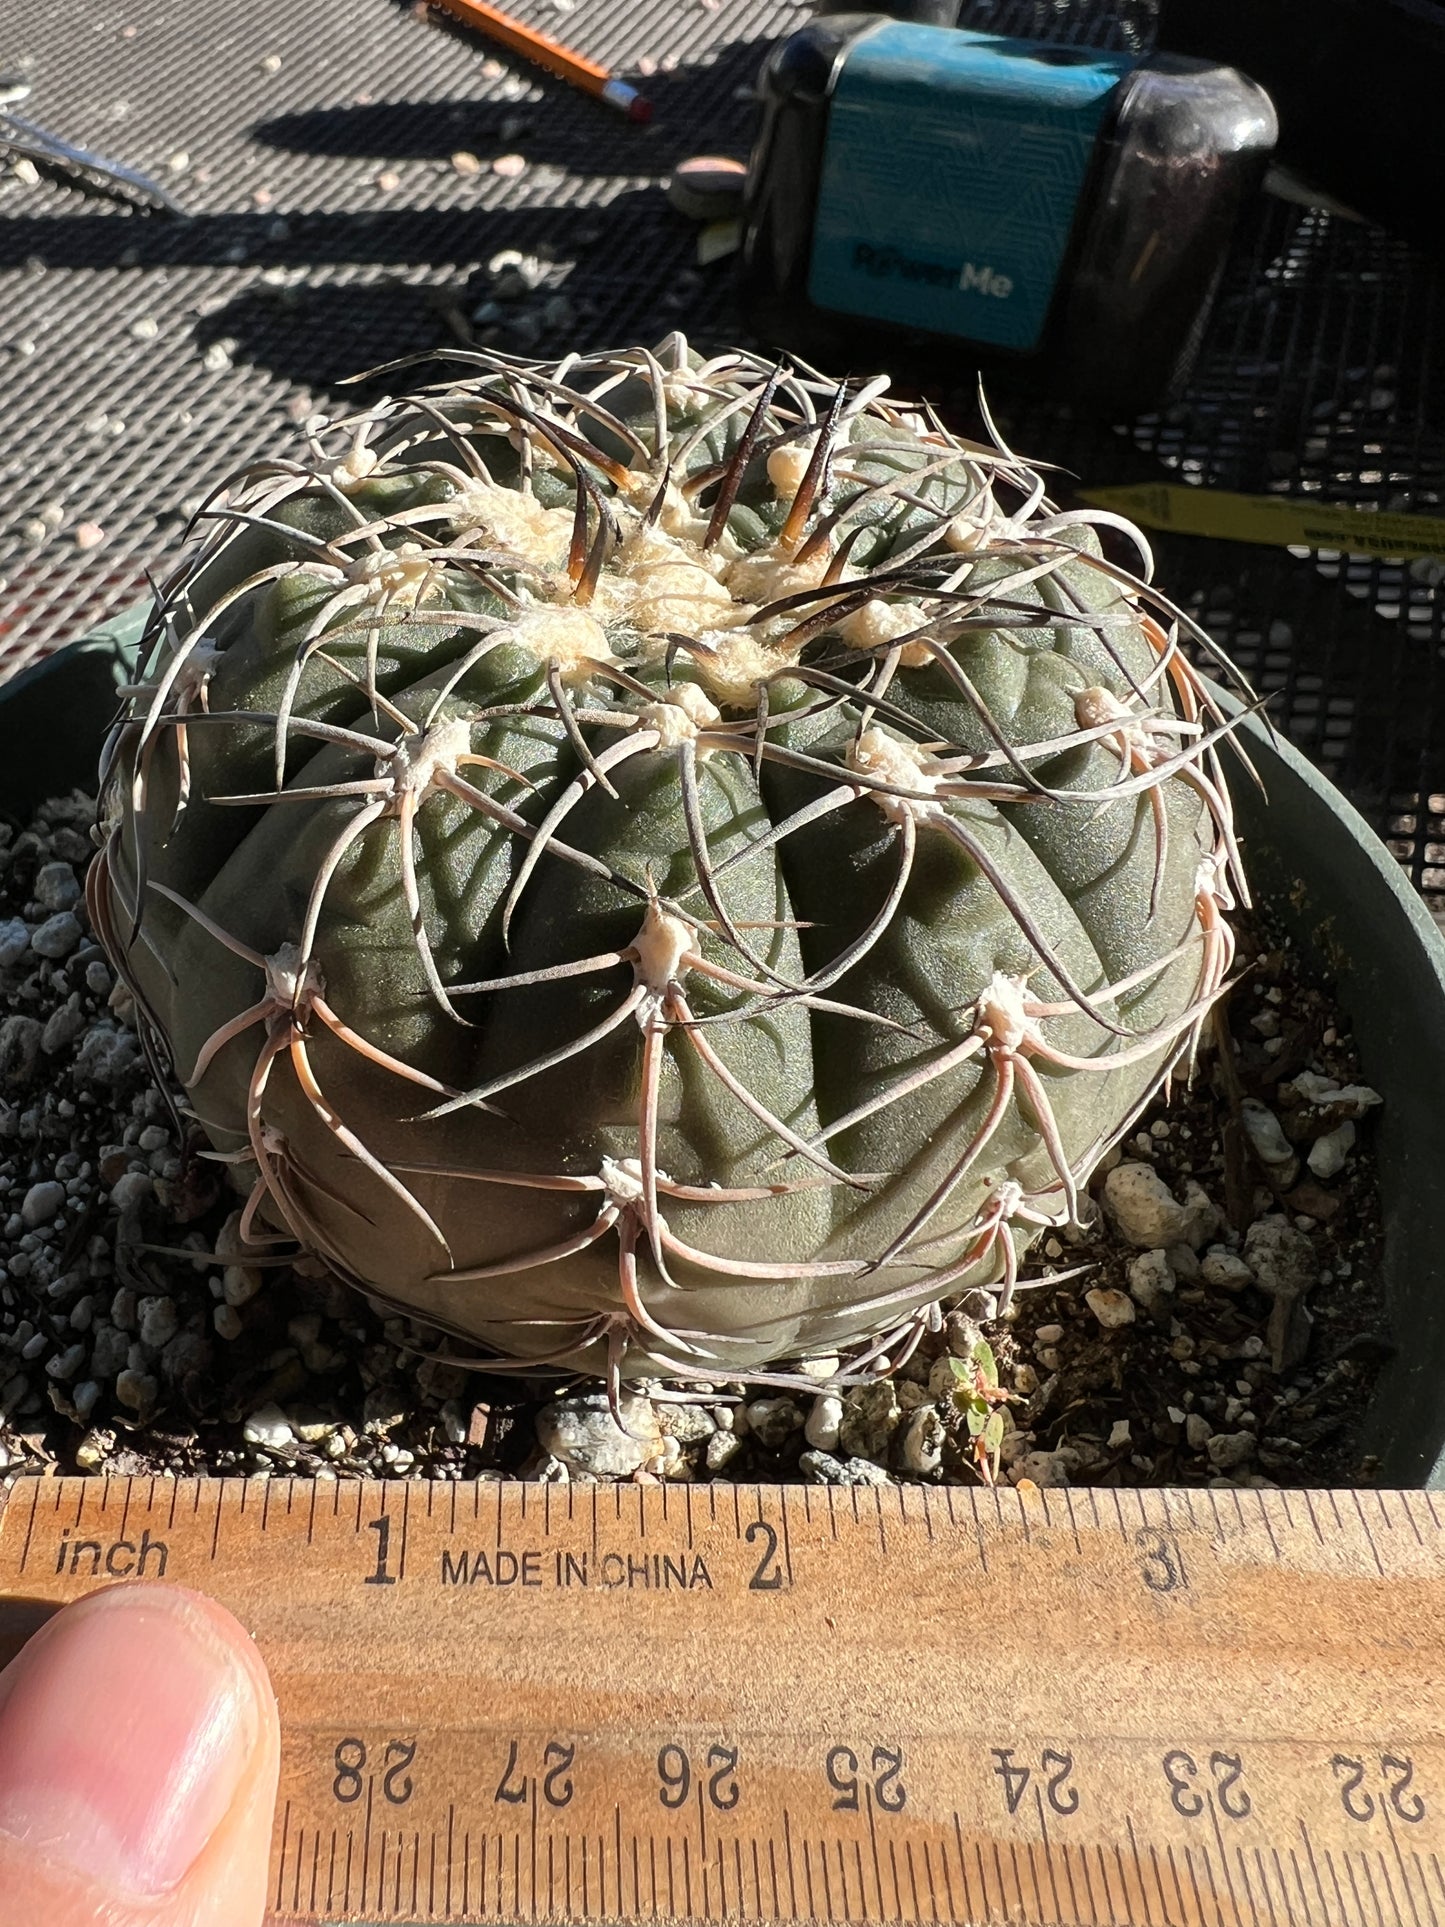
(919,191)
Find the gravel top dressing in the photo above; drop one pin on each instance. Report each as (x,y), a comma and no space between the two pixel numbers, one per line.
(1216,1321)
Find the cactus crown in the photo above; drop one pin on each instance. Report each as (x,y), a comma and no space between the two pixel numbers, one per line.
(661,865)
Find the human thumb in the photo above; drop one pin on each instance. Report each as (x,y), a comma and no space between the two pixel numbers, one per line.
(139,1748)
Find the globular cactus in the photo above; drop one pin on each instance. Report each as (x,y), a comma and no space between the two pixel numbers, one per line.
(663,867)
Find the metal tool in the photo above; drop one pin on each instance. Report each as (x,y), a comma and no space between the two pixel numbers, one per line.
(35,143)
(727,1705)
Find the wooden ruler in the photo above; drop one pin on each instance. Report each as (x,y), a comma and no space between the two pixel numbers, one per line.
(512,1703)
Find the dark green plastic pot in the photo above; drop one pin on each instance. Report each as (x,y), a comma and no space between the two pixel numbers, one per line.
(1314,862)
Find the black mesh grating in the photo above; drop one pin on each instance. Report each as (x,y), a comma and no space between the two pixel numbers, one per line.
(143,358)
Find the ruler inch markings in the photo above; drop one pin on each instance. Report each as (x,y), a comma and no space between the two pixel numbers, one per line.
(653,1622)
(1244,1881)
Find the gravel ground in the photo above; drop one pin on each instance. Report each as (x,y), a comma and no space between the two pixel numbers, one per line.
(1220,1322)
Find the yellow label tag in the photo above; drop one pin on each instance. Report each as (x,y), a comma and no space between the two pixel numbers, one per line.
(1278,521)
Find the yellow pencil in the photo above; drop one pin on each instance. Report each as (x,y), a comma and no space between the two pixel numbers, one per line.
(552,55)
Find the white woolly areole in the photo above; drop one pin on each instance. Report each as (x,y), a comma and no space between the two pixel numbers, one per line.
(511,519)
(622,1178)
(878,623)
(675,518)
(355,466)
(663,586)
(738,661)
(563,634)
(1096,706)
(1000,1011)
(767,576)
(290,983)
(892,760)
(682,714)
(681,598)
(403,577)
(413,763)
(973,528)
(648,548)
(202,660)
(789,464)
(661,944)
(684,393)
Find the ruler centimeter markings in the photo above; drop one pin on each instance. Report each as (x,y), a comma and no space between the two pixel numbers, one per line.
(867,1705)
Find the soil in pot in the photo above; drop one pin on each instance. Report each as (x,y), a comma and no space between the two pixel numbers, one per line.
(1217,1322)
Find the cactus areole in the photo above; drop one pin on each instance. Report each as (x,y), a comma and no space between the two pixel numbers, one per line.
(663,867)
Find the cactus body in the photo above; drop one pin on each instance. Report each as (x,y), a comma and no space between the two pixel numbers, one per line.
(663,867)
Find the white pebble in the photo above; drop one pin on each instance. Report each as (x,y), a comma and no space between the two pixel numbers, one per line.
(824,1365)
(1355,1099)
(582,1433)
(1281,1257)
(268,1425)
(1150,1216)
(57,936)
(1328,1153)
(67,1363)
(94,1449)
(1111,1308)
(1151,1279)
(130,1188)
(1047,1468)
(42,1202)
(1119,1434)
(721,1449)
(1227,1450)
(227,1321)
(136,1389)
(14,940)
(1198,1430)
(923,1441)
(56,886)
(771,1420)
(240,1283)
(158,1321)
(821,1426)
(1224,1269)
(1268,1140)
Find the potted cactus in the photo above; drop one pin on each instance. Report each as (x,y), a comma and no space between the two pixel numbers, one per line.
(665,867)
